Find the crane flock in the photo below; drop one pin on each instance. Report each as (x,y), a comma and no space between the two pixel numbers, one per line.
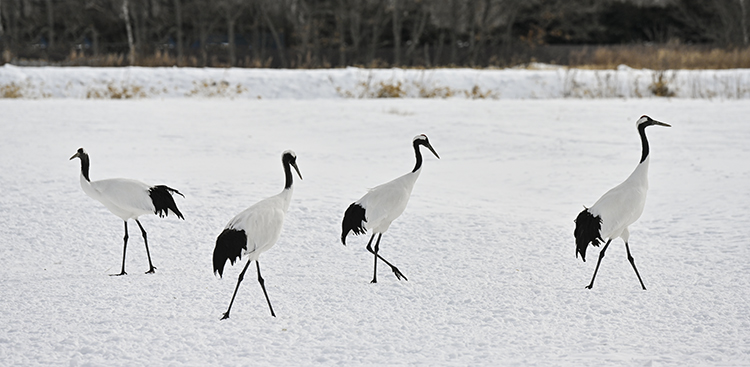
(258,228)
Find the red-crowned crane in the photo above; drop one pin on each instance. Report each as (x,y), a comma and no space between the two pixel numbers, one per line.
(128,199)
(383,204)
(255,230)
(617,209)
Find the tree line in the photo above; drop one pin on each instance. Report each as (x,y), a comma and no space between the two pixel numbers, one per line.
(337,33)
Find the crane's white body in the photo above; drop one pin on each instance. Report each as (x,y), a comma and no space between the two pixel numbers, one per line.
(125,198)
(255,230)
(128,199)
(381,205)
(618,208)
(386,202)
(262,223)
(621,206)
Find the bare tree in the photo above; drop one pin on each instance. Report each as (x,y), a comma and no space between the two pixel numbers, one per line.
(269,21)
(2,31)
(131,46)
(232,10)
(377,20)
(50,24)
(341,14)
(455,29)
(483,20)
(178,28)
(203,15)
(419,14)
(743,22)
(397,26)
(300,16)
(355,15)
(718,21)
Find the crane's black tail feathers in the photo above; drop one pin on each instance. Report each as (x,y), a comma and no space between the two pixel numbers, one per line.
(354,220)
(229,246)
(588,230)
(161,196)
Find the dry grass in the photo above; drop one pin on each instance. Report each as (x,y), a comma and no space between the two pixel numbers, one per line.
(11,90)
(435,92)
(389,90)
(22,89)
(114,91)
(7,56)
(477,93)
(397,89)
(655,57)
(660,57)
(660,85)
(211,88)
(158,59)
(77,58)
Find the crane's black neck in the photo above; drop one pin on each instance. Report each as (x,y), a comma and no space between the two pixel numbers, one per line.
(418,165)
(288,175)
(85,166)
(644,142)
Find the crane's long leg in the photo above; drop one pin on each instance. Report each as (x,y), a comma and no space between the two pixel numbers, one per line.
(397,272)
(632,262)
(601,256)
(151,267)
(239,280)
(375,258)
(263,285)
(124,247)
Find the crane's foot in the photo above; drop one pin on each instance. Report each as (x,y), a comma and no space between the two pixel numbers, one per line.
(589,286)
(117,275)
(226,316)
(398,273)
(152,270)
(373,281)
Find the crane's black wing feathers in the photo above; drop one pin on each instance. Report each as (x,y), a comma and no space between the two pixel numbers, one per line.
(229,246)
(588,230)
(354,220)
(161,196)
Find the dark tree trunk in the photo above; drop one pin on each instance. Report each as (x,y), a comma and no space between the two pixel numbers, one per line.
(50,25)
(178,25)
(231,20)
(131,46)
(340,14)
(454,31)
(276,37)
(396,22)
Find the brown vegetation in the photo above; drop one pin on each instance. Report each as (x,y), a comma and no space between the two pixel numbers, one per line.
(655,57)
(660,57)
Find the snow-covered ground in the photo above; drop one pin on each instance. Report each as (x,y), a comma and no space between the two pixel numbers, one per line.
(537,81)
(486,241)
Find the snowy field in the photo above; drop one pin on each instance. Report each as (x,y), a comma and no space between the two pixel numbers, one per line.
(486,241)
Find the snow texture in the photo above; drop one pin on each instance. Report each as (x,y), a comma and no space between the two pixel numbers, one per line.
(537,81)
(486,240)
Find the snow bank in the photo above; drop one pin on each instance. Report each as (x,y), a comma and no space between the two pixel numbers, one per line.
(535,82)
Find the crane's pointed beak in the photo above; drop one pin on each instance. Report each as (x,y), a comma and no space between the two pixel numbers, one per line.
(294,164)
(75,156)
(432,150)
(662,123)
